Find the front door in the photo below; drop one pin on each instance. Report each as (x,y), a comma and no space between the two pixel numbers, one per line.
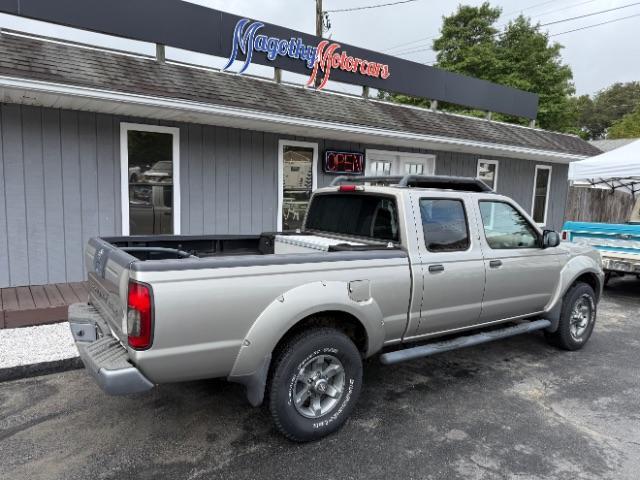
(452,266)
(298,163)
(521,275)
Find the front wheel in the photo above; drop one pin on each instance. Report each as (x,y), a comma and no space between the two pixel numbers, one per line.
(315,383)
(577,318)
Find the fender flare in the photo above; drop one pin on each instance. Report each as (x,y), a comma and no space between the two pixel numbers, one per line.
(575,268)
(252,362)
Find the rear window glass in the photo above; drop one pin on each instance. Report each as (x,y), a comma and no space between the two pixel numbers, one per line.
(444,223)
(356,215)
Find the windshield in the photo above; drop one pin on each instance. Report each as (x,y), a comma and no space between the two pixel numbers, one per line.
(353,214)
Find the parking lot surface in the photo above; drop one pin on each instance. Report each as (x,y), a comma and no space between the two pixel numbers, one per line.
(512,409)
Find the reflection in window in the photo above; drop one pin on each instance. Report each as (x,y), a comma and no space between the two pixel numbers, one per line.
(505,227)
(150,182)
(297,185)
(444,224)
(488,172)
(541,191)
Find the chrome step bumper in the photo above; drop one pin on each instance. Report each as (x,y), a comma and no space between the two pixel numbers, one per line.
(104,357)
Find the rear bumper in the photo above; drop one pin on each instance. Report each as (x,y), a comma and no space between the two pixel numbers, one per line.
(621,264)
(104,357)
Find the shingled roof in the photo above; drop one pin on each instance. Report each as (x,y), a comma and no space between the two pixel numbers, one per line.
(36,59)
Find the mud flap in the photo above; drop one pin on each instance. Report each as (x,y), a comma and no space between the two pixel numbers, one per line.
(255,383)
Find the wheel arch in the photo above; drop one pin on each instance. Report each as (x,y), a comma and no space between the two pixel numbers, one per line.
(292,312)
(589,276)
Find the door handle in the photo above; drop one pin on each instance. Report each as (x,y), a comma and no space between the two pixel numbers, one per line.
(495,263)
(436,268)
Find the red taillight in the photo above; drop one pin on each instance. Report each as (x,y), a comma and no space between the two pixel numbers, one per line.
(564,235)
(139,315)
(351,188)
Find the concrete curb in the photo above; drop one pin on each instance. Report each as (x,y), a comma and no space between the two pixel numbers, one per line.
(37,369)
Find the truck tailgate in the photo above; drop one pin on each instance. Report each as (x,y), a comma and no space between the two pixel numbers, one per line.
(108,272)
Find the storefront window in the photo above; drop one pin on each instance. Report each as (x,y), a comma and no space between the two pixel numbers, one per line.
(488,172)
(380,168)
(384,163)
(413,168)
(150,168)
(298,161)
(541,194)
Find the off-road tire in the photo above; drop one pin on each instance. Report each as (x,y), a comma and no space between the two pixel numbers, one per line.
(563,337)
(298,351)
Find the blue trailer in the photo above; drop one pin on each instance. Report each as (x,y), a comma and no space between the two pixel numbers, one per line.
(619,244)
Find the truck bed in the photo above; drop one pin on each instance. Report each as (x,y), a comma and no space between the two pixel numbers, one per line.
(164,247)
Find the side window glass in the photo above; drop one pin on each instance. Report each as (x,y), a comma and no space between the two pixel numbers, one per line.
(444,224)
(505,227)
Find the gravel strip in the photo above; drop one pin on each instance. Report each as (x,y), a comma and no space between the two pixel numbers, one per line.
(34,345)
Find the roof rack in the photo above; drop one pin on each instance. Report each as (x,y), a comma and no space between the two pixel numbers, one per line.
(447,182)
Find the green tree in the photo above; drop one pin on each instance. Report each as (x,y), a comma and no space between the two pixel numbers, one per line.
(520,56)
(595,115)
(530,62)
(626,127)
(467,42)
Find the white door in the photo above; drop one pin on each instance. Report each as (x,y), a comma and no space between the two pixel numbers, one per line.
(385,163)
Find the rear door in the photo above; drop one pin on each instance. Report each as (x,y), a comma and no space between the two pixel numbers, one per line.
(451,259)
(521,275)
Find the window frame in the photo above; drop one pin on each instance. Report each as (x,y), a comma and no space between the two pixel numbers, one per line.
(396,158)
(533,225)
(314,173)
(125,128)
(466,220)
(548,193)
(491,162)
(359,238)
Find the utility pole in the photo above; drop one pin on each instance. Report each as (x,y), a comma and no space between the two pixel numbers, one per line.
(319,22)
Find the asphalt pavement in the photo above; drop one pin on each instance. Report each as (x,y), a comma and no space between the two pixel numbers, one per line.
(512,409)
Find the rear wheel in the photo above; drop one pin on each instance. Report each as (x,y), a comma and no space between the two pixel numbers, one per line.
(315,383)
(577,318)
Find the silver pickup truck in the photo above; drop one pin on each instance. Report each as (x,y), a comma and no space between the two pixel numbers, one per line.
(396,267)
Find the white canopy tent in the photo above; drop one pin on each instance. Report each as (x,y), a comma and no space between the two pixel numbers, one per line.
(616,169)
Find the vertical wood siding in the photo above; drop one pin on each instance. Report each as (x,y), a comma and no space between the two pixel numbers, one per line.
(60,182)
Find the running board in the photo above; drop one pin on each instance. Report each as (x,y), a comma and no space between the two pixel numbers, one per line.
(398,356)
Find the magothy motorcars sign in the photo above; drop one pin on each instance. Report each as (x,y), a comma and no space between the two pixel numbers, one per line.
(196,28)
(320,59)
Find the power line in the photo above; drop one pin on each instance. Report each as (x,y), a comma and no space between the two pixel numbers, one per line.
(596,25)
(417,48)
(568,7)
(590,14)
(551,35)
(366,7)
(530,7)
(541,25)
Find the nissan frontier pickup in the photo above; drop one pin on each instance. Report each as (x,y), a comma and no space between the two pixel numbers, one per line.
(399,268)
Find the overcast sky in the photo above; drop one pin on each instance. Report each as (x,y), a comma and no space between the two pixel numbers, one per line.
(598,56)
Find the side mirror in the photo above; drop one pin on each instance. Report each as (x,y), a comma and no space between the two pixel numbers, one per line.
(550,239)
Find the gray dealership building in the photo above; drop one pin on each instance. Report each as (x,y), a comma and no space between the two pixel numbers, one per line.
(99,142)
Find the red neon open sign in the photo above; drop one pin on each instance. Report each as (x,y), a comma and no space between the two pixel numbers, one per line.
(343,162)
